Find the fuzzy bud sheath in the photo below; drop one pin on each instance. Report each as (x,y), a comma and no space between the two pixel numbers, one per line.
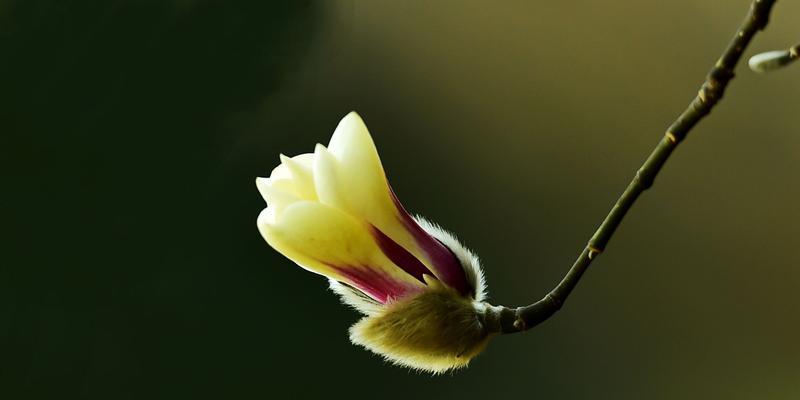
(435,330)
(333,213)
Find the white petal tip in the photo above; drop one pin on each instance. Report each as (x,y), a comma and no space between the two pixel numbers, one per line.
(265,219)
(350,122)
(262,184)
(351,115)
(276,199)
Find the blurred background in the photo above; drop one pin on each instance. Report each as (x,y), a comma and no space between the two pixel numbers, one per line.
(132,132)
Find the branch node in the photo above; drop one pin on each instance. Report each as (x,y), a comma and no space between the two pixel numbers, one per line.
(594,252)
(643,179)
(671,138)
(719,74)
(761,15)
(701,94)
(519,322)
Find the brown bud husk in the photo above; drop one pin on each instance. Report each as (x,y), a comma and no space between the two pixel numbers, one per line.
(434,331)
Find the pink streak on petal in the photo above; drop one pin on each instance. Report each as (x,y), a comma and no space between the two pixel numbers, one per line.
(400,256)
(374,283)
(448,268)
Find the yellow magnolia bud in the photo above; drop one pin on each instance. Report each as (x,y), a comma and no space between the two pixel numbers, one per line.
(333,212)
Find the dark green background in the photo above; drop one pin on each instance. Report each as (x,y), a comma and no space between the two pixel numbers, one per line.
(131,133)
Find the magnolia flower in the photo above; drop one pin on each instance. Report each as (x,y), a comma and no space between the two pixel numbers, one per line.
(333,213)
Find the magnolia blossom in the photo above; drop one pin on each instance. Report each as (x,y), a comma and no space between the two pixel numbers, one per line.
(333,213)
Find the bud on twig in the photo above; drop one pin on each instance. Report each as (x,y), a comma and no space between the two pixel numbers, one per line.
(773,60)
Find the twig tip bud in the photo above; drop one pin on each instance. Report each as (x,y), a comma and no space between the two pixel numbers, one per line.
(771,60)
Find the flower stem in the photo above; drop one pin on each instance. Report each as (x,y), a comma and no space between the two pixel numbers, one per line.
(508,320)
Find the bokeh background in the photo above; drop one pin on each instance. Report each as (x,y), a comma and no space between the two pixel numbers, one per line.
(132,132)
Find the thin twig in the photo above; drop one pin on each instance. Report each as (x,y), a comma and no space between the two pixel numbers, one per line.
(509,320)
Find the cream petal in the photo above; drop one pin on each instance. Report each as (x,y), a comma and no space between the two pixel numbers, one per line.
(349,175)
(326,179)
(360,179)
(352,144)
(298,166)
(276,198)
(294,175)
(301,162)
(329,242)
(281,172)
(305,160)
(293,188)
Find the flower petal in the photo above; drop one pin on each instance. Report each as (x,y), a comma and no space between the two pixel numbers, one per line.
(277,199)
(349,175)
(326,179)
(329,242)
(443,260)
(294,176)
